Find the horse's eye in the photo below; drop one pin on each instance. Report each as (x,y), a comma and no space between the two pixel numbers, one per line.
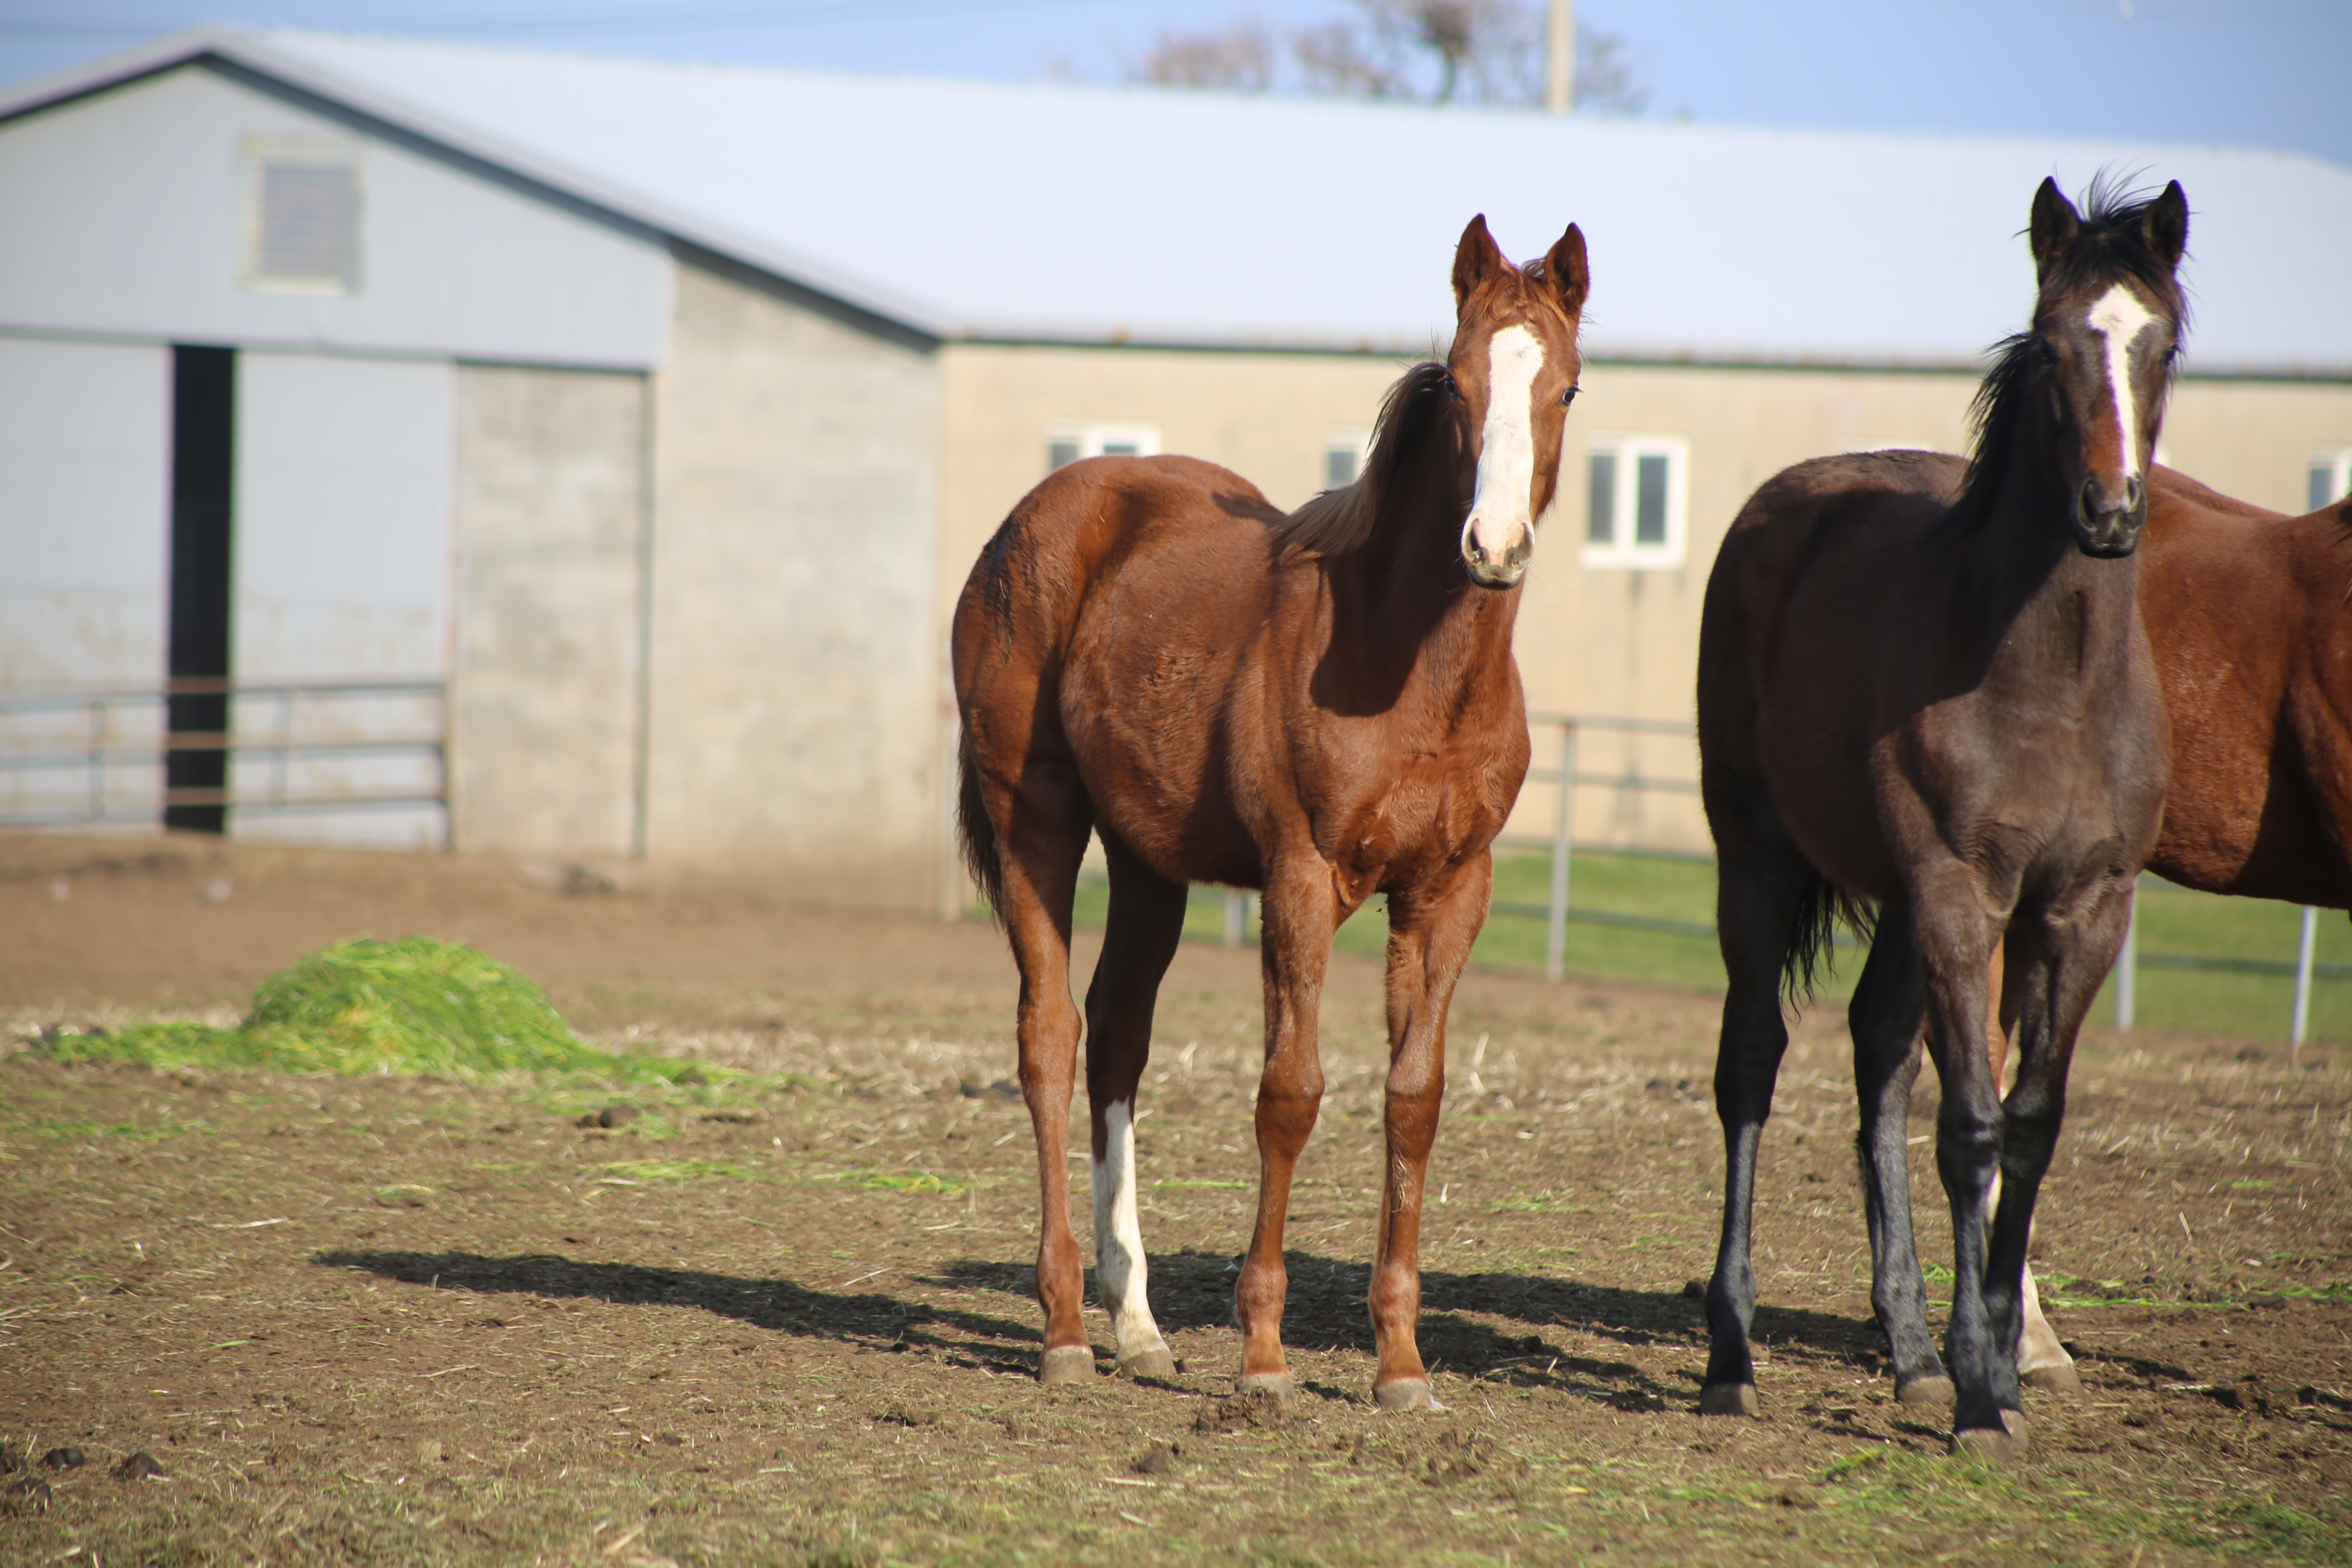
(1453,388)
(1568,396)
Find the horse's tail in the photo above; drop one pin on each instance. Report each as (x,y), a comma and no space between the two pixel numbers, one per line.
(982,856)
(1811,956)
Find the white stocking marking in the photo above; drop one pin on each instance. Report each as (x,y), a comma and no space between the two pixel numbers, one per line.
(1119,1268)
(2120,318)
(1499,517)
(2037,1342)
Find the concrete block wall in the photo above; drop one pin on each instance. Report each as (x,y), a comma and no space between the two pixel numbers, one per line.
(795,680)
(545,705)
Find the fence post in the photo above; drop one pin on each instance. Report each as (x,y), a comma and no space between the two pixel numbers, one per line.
(1556,933)
(2127,966)
(99,730)
(1237,909)
(2303,983)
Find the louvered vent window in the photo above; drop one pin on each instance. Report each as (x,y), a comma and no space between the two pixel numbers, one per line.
(305,225)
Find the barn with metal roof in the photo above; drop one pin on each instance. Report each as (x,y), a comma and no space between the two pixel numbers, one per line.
(633,424)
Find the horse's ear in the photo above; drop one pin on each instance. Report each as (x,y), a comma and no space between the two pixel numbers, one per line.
(1476,260)
(1567,271)
(2165,225)
(2055,226)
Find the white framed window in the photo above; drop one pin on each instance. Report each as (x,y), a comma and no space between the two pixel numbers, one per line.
(2329,479)
(1344,452)
(1637,496)
(302,217)
(1066,444)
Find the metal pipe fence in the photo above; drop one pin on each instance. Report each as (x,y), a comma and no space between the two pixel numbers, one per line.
(103,751)
(1565,778)
(1558,912)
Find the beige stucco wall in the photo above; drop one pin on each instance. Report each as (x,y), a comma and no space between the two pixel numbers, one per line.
(795,689)
(1265,416)
(548,528)
(2255,439)
(1620,642)
(1592,640)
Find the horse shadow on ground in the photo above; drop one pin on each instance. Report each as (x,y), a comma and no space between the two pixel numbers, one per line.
(1190,1289)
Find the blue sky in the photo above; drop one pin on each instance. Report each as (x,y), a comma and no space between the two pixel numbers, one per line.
(2239,72)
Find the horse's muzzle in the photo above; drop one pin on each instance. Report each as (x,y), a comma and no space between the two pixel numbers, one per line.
(1489,572)
(2104,527)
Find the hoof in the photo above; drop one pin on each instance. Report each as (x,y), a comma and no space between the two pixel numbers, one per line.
(1406,1394)
(1995,1444)
(1068,1363)
(1280,1384)
(1157,1361)
(2060,1378)
(1728,1399)
(1933,1389)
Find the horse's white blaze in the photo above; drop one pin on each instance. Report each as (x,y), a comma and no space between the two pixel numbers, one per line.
(1499,516)
(1119,1268)
(2119,318)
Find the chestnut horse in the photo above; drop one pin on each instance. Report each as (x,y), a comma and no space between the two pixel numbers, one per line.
(1324,706)
(2249,613)
(1947,708)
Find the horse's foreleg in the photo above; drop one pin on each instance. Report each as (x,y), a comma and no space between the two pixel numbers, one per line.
(1955,951)
(2053,980)
(1884,1019)
(1147,919)
(1300,915)
(1758,895)
(1430,935)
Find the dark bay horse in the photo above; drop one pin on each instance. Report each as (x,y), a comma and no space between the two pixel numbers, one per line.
(1947,708)
(1324,706)
(2249,615)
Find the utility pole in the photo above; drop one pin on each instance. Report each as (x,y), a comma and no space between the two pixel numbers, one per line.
(1559,73)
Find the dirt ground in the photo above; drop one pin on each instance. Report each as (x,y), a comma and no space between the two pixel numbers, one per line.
(786,1316)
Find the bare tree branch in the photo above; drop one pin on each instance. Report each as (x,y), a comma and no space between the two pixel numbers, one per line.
(1432,51)
(1237,58)
(1335,61)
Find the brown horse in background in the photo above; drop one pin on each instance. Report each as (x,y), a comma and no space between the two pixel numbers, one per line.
(1324,706)
(1945,707)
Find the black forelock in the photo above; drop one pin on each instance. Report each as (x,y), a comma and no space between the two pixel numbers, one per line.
(2112,241)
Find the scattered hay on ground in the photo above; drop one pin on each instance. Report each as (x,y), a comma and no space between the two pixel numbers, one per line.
(415,1005)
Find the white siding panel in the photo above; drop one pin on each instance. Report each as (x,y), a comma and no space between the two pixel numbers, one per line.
(85,460)
(127,215)
(343,494)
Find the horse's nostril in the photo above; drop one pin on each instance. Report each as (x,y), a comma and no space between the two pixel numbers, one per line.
(2134,492)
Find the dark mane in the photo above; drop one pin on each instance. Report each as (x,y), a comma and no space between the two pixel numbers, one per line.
(2111,243)
(1339,520)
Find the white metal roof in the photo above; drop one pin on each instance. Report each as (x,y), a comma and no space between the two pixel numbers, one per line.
(979,210)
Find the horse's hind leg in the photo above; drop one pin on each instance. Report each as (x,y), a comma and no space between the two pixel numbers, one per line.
(1759,898)
(1147,919)
(1884,1018)
(1043,822)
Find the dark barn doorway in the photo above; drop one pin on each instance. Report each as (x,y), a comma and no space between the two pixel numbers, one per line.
(204,474)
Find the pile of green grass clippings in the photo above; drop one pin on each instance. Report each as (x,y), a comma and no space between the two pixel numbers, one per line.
(415,1005)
